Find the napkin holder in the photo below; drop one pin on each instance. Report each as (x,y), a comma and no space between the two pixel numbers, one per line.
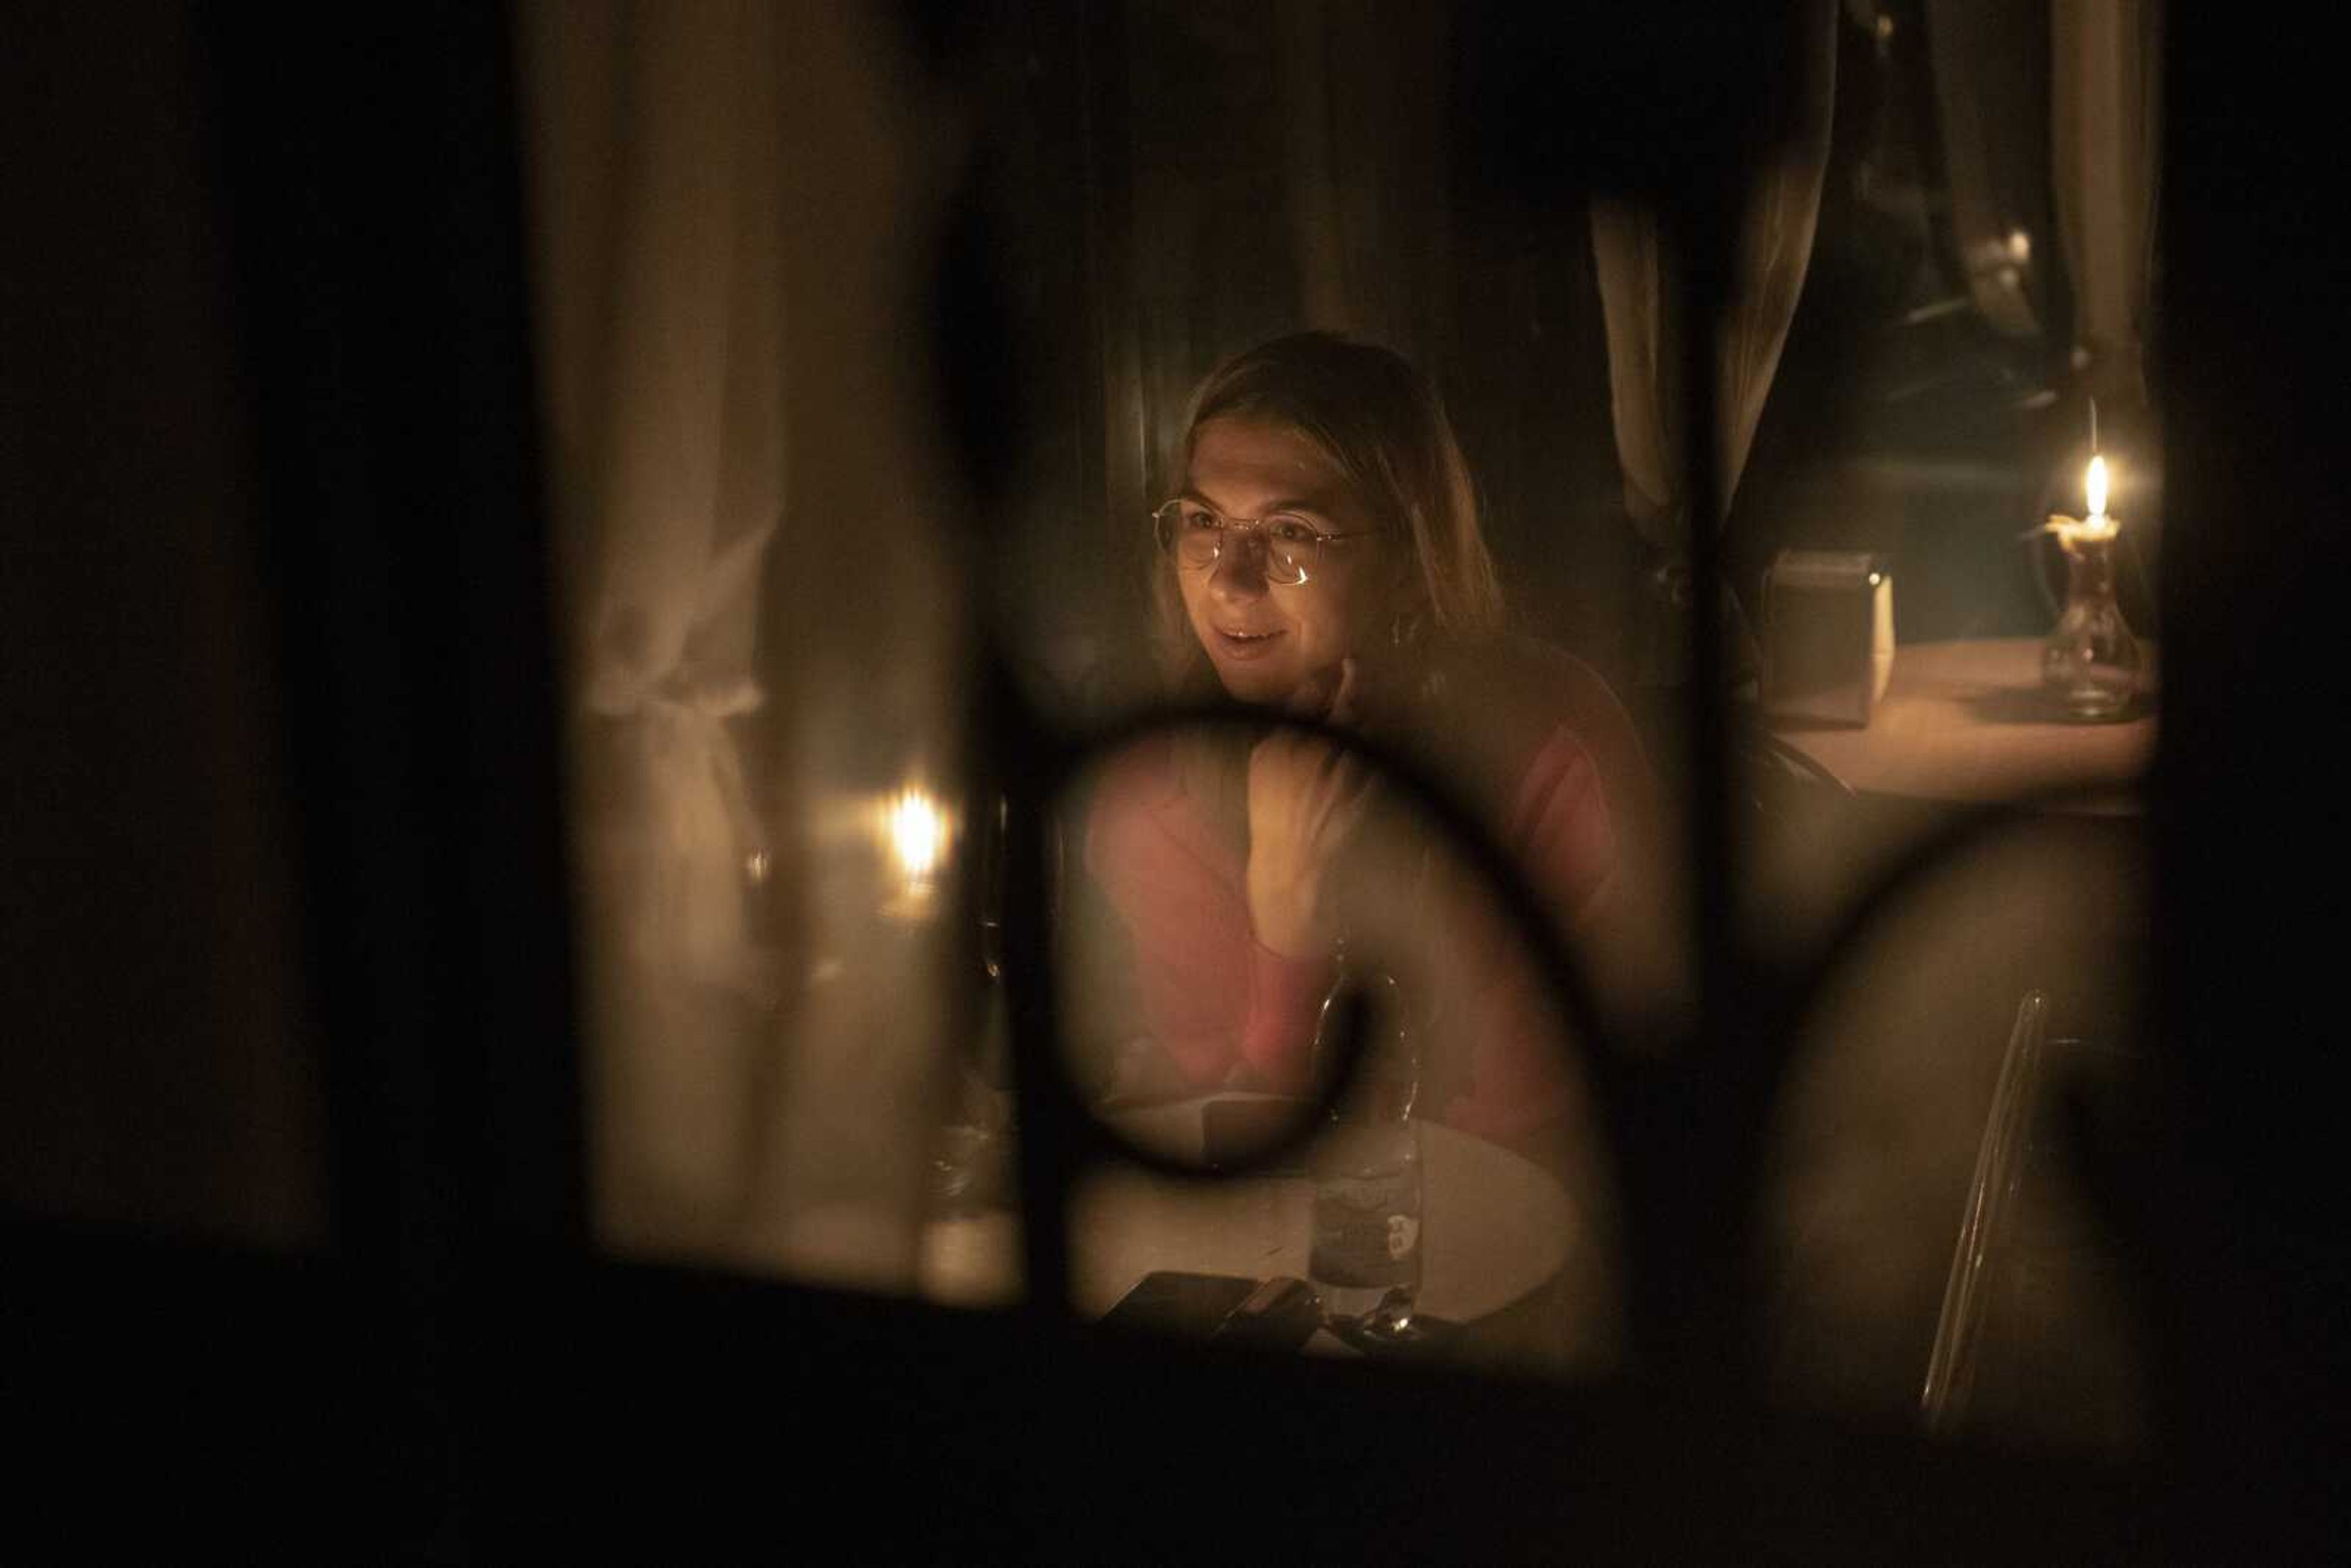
(1828,648)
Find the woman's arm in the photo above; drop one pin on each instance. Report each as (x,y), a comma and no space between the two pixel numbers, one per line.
(1213,997)
(1561,830)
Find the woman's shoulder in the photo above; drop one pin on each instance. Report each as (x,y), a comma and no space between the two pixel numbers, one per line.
(1536,678)
(1133,785)
(1512,704)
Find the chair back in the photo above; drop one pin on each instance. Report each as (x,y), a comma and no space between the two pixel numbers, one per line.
(1985,1222)
(2027,1291)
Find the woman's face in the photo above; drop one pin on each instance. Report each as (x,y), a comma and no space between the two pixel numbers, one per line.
(1275,642)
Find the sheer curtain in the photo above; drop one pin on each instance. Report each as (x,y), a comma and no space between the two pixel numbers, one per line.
(2051,123)
(722,199)
(655,141)
(2105,125)
(1991,90)
(1640,300)
(2082,136)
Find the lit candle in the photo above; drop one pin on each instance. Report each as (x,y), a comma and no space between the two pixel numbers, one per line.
(917,831)
(2097,525)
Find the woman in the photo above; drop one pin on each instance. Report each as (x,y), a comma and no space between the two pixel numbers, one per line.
(1322,558)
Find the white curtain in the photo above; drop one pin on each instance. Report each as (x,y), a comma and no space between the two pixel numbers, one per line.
(1986,60)
(653,172)
(735,211)
(2104,125)
(1640,298)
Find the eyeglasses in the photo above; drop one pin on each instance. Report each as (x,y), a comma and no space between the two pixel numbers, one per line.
(1195,535)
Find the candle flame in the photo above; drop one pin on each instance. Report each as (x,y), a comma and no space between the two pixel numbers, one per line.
(918,834)
(2096,484)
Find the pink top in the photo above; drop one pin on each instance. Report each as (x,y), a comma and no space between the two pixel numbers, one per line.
(1217,1000)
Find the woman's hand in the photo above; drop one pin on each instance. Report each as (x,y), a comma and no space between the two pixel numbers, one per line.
(1306,800)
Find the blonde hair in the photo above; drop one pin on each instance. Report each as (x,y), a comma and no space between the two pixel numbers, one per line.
(1381,422)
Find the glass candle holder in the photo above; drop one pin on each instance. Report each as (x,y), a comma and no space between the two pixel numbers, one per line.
(2090,663)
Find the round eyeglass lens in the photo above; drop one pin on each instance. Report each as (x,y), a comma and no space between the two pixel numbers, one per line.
(1288,550)
(1198,538)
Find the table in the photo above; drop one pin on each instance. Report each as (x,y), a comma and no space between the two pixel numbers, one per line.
(1962,724)
(1966,722)
(1497,1229)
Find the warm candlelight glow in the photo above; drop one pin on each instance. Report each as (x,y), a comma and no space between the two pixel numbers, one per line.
(2097,526)
(918,835)
(915,830)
